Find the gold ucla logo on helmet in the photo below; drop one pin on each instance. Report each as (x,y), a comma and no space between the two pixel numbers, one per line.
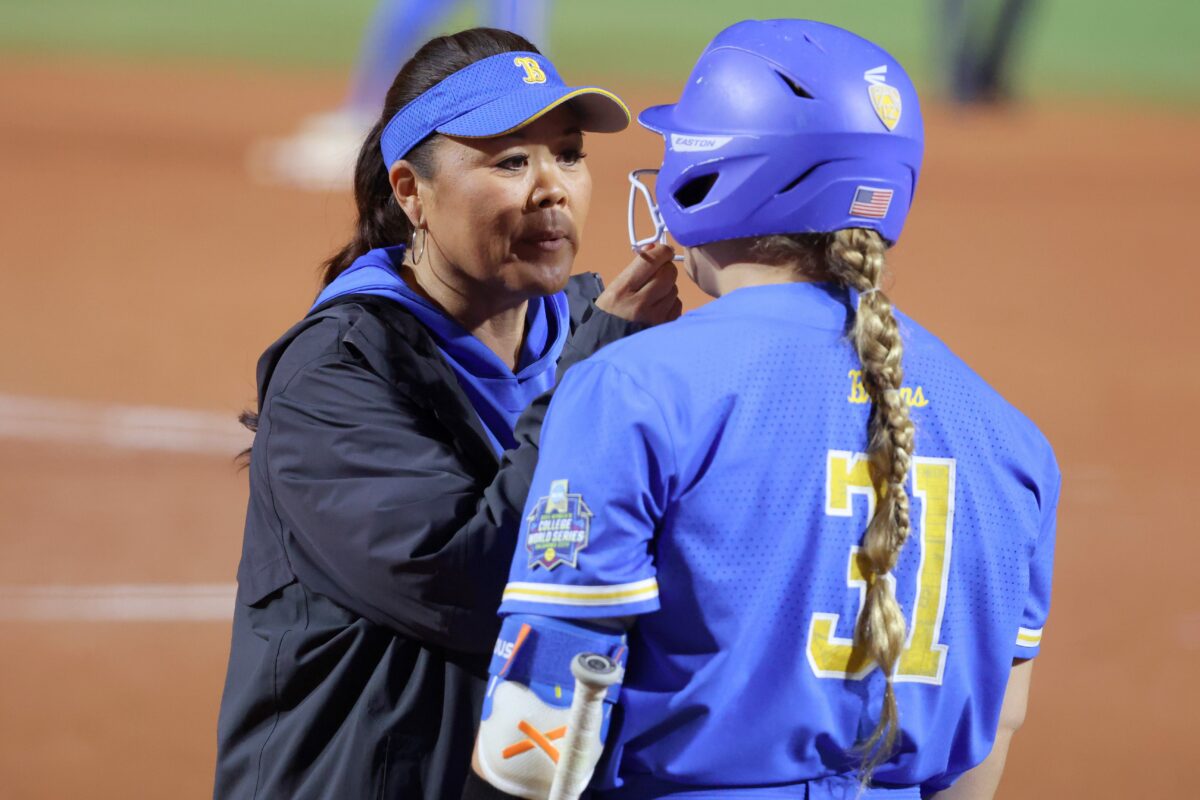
(533,70)
(884,99)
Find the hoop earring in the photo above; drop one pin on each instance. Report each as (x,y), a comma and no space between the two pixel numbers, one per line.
(418,254)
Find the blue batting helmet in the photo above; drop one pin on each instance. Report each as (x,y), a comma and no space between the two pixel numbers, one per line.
(788,126)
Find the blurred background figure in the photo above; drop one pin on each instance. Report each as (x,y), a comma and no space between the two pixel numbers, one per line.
(320,154)
(979,39)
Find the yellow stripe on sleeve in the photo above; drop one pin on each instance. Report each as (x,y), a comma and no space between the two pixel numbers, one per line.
(1029,637)
(555,594)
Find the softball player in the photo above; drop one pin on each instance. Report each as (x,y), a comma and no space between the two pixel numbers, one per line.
(823,542)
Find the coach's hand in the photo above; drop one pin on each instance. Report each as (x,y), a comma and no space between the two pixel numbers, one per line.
(646,290)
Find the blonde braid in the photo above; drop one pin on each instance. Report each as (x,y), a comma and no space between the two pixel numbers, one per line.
(855,258)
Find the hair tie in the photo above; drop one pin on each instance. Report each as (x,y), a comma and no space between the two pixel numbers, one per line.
(872,290)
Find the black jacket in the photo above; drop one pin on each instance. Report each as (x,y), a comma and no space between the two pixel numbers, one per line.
(378,538)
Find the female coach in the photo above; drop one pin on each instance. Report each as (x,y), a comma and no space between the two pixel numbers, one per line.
(398,424)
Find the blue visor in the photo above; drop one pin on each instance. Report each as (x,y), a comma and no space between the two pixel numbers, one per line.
(495,96)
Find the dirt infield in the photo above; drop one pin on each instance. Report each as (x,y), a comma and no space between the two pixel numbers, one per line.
(1051,247)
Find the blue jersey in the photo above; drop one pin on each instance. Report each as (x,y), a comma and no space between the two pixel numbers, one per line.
(708,475)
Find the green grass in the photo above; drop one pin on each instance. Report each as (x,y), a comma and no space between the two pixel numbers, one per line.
(649,39)
(321,33)
(1094,47)
(1145,48)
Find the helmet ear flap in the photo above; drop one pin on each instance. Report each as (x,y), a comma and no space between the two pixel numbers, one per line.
(693,192)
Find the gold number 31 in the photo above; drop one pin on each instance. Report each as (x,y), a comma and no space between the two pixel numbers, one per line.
(923,658)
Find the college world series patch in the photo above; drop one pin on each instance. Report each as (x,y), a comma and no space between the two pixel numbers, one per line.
(558,528)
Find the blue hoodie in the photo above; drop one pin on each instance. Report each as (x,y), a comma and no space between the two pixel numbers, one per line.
(497,393)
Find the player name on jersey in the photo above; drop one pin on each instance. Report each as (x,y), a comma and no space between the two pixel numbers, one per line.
(915,398)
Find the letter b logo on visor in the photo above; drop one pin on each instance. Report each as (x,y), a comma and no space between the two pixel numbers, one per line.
(533,71)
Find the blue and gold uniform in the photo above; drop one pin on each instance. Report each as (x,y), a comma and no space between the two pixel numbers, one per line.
(705,485)
(708,477)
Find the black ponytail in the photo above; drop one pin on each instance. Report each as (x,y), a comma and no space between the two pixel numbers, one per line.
(381,222)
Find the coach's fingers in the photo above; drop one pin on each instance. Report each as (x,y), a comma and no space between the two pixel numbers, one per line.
(665,309)
(662,283)
(627,296)
(647,264)
(661,309)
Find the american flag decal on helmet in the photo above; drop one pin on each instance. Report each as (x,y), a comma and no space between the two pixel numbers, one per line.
(873,203)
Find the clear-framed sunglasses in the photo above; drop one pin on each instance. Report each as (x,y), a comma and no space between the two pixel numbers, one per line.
(639,189)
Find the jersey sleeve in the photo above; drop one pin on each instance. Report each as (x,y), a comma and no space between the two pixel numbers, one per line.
(1037,604)
(601,486)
